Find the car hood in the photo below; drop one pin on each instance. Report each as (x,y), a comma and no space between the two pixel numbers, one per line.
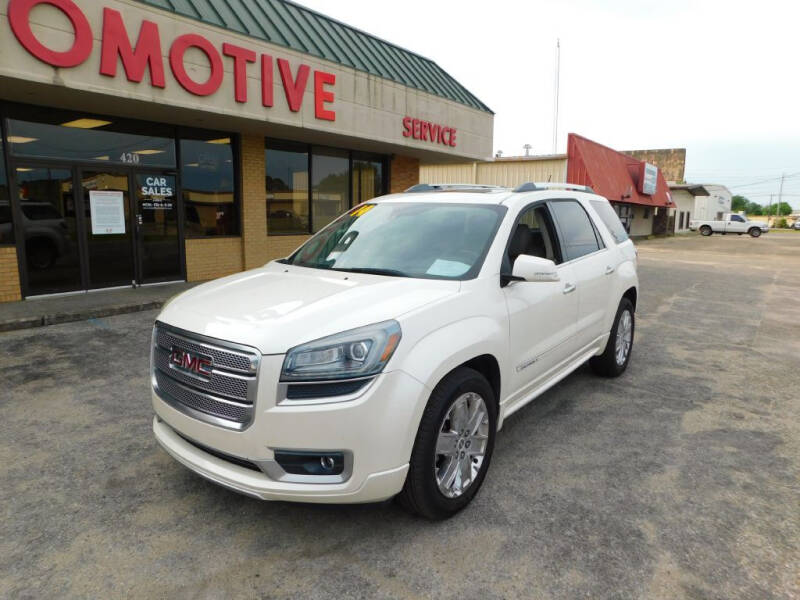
(279,306)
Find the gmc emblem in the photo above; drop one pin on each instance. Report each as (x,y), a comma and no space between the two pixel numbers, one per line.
(196,364)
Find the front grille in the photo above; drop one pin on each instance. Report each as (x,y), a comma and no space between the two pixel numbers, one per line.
(228,393)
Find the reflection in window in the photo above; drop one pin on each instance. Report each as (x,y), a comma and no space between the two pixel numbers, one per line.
(207,179)
(6,224)
(89,140)
(49,224)
(330,194)
(287,191)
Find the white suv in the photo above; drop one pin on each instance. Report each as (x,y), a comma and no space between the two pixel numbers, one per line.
(382,357)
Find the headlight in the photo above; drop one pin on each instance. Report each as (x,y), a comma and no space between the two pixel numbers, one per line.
(356,353)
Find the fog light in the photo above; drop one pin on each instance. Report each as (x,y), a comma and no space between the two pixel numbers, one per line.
(310,463)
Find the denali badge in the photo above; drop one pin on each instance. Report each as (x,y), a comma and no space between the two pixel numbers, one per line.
(196,364)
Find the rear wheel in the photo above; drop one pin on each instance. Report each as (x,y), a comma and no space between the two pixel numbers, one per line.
(453,447)
(617,354)
(705,230)
(754,232)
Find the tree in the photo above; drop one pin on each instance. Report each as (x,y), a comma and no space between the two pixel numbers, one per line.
(754,208)
(783,209)
(739,203)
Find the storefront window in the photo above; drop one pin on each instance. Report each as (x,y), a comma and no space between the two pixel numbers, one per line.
(330,194)
(208,185)
(339,180)
(84,139)
(367,180)
(6,224)
(287,190)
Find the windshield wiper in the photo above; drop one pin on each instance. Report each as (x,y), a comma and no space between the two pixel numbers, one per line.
(371,271)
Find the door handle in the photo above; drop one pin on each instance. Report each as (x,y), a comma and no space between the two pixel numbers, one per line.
(610,270)
(569,288)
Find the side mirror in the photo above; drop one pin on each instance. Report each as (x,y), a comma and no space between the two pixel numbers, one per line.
(534,268)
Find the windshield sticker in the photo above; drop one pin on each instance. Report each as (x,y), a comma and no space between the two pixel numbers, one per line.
(447,268)
(361,210)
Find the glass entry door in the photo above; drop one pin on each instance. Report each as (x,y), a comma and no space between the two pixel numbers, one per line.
(157,240)
(109,229)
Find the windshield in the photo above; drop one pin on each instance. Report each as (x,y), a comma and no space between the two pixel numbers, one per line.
(411,239)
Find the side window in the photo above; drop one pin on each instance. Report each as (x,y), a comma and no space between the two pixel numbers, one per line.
(533,235)
(577,231)
(737,218)
(609,217)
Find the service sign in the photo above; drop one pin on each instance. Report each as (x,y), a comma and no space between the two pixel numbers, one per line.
(648,179)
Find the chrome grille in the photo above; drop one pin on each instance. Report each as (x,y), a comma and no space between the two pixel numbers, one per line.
(226,397)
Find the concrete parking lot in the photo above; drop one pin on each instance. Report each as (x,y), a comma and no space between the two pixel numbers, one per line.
(678,480)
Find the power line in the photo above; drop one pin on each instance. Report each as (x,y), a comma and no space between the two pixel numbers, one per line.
(765,180)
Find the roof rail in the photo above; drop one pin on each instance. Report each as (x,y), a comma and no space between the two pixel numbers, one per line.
(538,187)
(455,187)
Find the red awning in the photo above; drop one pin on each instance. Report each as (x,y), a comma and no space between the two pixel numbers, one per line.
(611,174)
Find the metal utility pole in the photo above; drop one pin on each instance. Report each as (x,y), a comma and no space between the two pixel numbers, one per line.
(780,194)
(527,148)
(555,102)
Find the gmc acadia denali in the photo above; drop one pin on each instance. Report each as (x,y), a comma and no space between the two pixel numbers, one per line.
(381,358)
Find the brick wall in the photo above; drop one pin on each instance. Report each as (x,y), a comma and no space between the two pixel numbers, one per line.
(9,275)
(404,173)
(671,161)
(210,258)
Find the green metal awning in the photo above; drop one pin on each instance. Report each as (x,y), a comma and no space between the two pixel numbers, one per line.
(299,28)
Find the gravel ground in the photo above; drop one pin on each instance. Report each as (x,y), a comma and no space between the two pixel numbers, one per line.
(678,480)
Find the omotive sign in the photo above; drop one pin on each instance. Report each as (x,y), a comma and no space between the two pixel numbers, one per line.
(146,55)
(429,132)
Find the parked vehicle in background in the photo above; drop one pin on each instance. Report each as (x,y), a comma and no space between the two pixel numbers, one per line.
(796,224)
(732,223)
(383,355)
(46,232)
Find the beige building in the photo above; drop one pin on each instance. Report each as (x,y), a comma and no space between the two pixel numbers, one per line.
(146,141)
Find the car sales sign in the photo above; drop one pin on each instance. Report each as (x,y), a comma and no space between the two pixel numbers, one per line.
(648,179)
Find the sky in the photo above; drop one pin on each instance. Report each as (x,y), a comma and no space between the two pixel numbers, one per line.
(719,78)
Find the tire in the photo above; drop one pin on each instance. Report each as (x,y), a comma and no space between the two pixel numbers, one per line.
(608,363)
(422,492)
(706,230)
(754,232)
(41,253)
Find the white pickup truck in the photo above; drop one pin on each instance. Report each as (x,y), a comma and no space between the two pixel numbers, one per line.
(732,223)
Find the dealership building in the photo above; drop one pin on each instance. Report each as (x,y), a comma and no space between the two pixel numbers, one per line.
(147,141)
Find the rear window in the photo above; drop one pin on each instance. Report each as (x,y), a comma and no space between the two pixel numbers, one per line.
(611,220)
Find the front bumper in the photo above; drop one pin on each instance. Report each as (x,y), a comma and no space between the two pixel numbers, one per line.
(376,430)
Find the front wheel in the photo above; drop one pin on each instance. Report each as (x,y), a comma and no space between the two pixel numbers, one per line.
(453,446)
(755,232)
(617,354)
(705,230)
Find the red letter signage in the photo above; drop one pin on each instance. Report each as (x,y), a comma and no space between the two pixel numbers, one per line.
(323,96)
(145,56)
(176,53)
(241,56)
(116,43)
(19,12)
(294,89)
(429,132)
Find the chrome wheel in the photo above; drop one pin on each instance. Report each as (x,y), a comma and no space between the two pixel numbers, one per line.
(461,444)
(624,337)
